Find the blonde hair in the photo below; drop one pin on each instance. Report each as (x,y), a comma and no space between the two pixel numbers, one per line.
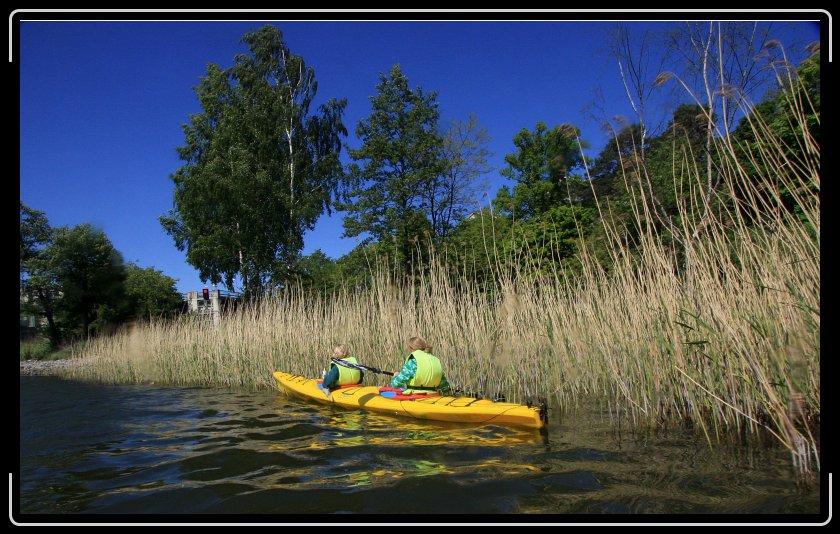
(341,351)
(418,343)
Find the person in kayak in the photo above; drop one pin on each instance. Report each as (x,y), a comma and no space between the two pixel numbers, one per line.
(422,371)
(339,375)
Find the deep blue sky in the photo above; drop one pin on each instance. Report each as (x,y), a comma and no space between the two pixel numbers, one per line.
(102,103)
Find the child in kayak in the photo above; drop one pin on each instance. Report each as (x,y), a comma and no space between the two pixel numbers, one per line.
(422,371)
(340,375)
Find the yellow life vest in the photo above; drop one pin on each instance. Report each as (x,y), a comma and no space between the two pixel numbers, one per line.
(428,375)
(347,375)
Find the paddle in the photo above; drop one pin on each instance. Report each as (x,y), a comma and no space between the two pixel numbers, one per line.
(360,367)
(356,366)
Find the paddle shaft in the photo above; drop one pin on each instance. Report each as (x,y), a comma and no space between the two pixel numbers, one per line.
(360,367)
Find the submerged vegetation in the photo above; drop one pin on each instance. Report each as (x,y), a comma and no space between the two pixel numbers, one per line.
(692,300)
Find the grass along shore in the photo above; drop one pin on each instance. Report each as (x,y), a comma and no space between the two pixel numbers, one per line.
(724,333)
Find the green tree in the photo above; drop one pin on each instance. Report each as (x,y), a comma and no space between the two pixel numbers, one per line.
(90,275)
(605,171)
(260,168)
(536,225)
(35,234)
(38,285)
(400,161)
(76,283)
(150,293)
(541,166)
(318,272)
(41,293)
(359,267)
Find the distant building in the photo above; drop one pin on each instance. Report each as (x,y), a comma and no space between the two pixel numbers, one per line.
(211,303)
(30,323)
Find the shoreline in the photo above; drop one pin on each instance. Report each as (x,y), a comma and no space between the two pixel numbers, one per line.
(45,367)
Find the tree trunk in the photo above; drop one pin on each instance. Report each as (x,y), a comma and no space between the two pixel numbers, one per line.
(55,334)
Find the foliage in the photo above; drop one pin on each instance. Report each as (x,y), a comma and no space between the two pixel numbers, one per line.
(541,166)
(673,162)
(400,156)
(35,234)
(90,276)
(76,283)
(75,279)
(150,293)
(604,172)
(37,287)
(35,349)
(318,272)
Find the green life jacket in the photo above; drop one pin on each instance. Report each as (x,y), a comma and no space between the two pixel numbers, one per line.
(428,375)
(346,375)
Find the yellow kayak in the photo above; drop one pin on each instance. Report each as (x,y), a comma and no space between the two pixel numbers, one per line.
(437,408)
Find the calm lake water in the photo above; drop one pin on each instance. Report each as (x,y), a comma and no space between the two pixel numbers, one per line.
(143,449)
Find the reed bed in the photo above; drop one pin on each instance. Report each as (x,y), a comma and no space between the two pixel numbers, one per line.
(722,331)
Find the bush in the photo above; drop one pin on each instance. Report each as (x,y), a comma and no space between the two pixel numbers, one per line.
(37,349)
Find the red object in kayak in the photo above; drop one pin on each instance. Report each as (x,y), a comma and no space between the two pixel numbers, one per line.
(397,392)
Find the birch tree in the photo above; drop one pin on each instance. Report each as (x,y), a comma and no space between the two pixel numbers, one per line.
(259,168)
